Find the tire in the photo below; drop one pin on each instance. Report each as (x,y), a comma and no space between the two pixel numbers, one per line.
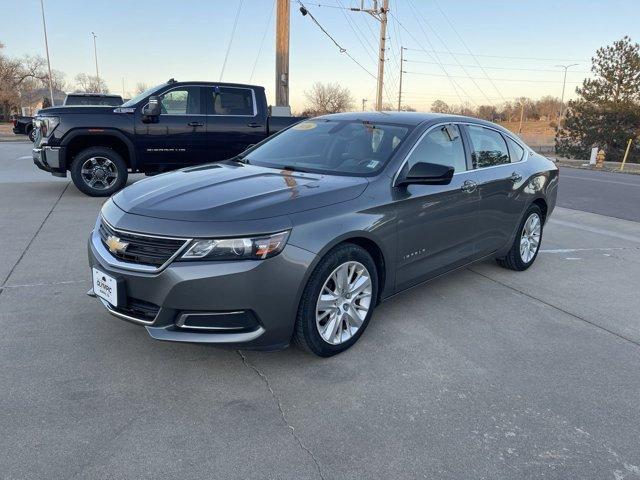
(31,134)
(515,260)
(103,162)
(355,308)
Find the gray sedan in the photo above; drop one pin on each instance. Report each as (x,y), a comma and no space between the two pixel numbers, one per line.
(301,236)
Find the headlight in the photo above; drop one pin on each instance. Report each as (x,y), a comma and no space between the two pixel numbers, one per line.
(249,248)
(46,125)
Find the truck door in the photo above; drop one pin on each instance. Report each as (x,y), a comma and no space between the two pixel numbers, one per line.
(234,121)
(178,138)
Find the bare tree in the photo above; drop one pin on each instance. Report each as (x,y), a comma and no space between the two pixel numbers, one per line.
(141,87)
(328,98)
(440,107)
(90,84)
(487,112)
(17,76)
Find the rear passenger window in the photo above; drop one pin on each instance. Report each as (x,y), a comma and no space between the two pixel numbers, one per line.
(442,145)
(516,152)
(488,147)
(233,101)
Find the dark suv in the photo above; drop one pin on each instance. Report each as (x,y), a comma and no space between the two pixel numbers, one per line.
(176,124)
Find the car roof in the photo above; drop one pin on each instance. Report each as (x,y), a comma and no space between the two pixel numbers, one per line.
(407,118)
(92,94)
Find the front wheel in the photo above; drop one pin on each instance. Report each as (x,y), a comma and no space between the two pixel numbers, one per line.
(527,242)
(99,171)
(337,302)
(31,134)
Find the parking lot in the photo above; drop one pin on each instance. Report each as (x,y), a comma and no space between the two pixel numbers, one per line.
(485,373)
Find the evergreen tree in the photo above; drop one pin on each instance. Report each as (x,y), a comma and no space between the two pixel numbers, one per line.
(607,112)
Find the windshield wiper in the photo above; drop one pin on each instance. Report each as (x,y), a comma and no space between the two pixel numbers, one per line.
(240,159)
(294,169)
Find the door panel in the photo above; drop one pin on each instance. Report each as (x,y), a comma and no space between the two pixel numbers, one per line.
(500,207)
(178,138)
(233,122)
(436,223)
(436,229)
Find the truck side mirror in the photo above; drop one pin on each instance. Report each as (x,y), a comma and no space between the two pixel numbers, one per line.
(152,108)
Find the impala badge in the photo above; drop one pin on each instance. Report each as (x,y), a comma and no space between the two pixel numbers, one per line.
(115,245)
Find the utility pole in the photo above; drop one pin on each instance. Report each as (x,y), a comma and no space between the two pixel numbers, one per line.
(46,46)
(364,102)
(400,84)
(521,116)
(123,88)
(564,83)
(282,53)
(379,14)
(95,53)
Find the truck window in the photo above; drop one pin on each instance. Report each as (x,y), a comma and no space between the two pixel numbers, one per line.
(181,101)
(233,101)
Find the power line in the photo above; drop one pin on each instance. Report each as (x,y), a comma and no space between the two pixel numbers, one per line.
(306,11)
(499,68)
(498,56)
(496,79)
(233,32)
(448,50)
(451,81)
(264,35)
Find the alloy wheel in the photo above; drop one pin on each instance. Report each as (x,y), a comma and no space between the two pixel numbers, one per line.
(99,173)
(530,238)
(343,303)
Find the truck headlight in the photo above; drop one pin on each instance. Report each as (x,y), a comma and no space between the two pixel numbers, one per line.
(46,125)
(247,248)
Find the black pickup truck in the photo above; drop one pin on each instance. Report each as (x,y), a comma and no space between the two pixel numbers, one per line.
(24,126)
(169,126)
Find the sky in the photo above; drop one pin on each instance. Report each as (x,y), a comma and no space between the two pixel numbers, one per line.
(463,51)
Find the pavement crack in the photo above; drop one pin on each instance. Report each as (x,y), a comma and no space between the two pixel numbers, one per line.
(44,220)
(276,399)
(578,317)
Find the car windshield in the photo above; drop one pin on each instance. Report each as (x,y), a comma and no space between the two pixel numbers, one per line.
(149,91)
(351,147)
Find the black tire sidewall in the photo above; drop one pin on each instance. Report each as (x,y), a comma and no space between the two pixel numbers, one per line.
(31,134)
(112,155)
(307,310)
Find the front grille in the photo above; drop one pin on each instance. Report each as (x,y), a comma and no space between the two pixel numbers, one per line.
(139,309)
(141,249)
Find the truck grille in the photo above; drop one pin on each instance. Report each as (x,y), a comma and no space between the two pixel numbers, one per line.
(141,249)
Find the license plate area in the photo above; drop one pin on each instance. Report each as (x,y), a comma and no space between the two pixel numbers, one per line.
(107,287)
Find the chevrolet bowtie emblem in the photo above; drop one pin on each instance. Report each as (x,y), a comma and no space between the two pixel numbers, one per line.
(115,245)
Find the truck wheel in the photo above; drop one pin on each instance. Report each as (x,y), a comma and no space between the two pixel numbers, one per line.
(99,171)
(31,133)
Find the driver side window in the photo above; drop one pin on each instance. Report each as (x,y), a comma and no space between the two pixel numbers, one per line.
(181,101)
(442,145)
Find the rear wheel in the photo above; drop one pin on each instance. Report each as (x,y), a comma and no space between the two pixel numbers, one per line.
(527,242)
(99,171)
(337,302)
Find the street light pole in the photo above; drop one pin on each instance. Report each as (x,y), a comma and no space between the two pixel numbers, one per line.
(46,46)
(95,53)
(564,82)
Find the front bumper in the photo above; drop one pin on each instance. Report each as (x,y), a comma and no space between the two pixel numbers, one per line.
(262,294)
(50,159)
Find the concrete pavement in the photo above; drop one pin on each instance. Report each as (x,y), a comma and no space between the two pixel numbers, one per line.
(484,373)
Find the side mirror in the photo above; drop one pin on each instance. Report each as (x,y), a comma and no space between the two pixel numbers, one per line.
(152,108)
(427,174)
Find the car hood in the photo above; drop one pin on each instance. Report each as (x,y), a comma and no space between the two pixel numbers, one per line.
(77,109)
(234,192)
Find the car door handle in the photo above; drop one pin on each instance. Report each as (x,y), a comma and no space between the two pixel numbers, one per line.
(195,124)
(254,125)
(469,186)
(515,177)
